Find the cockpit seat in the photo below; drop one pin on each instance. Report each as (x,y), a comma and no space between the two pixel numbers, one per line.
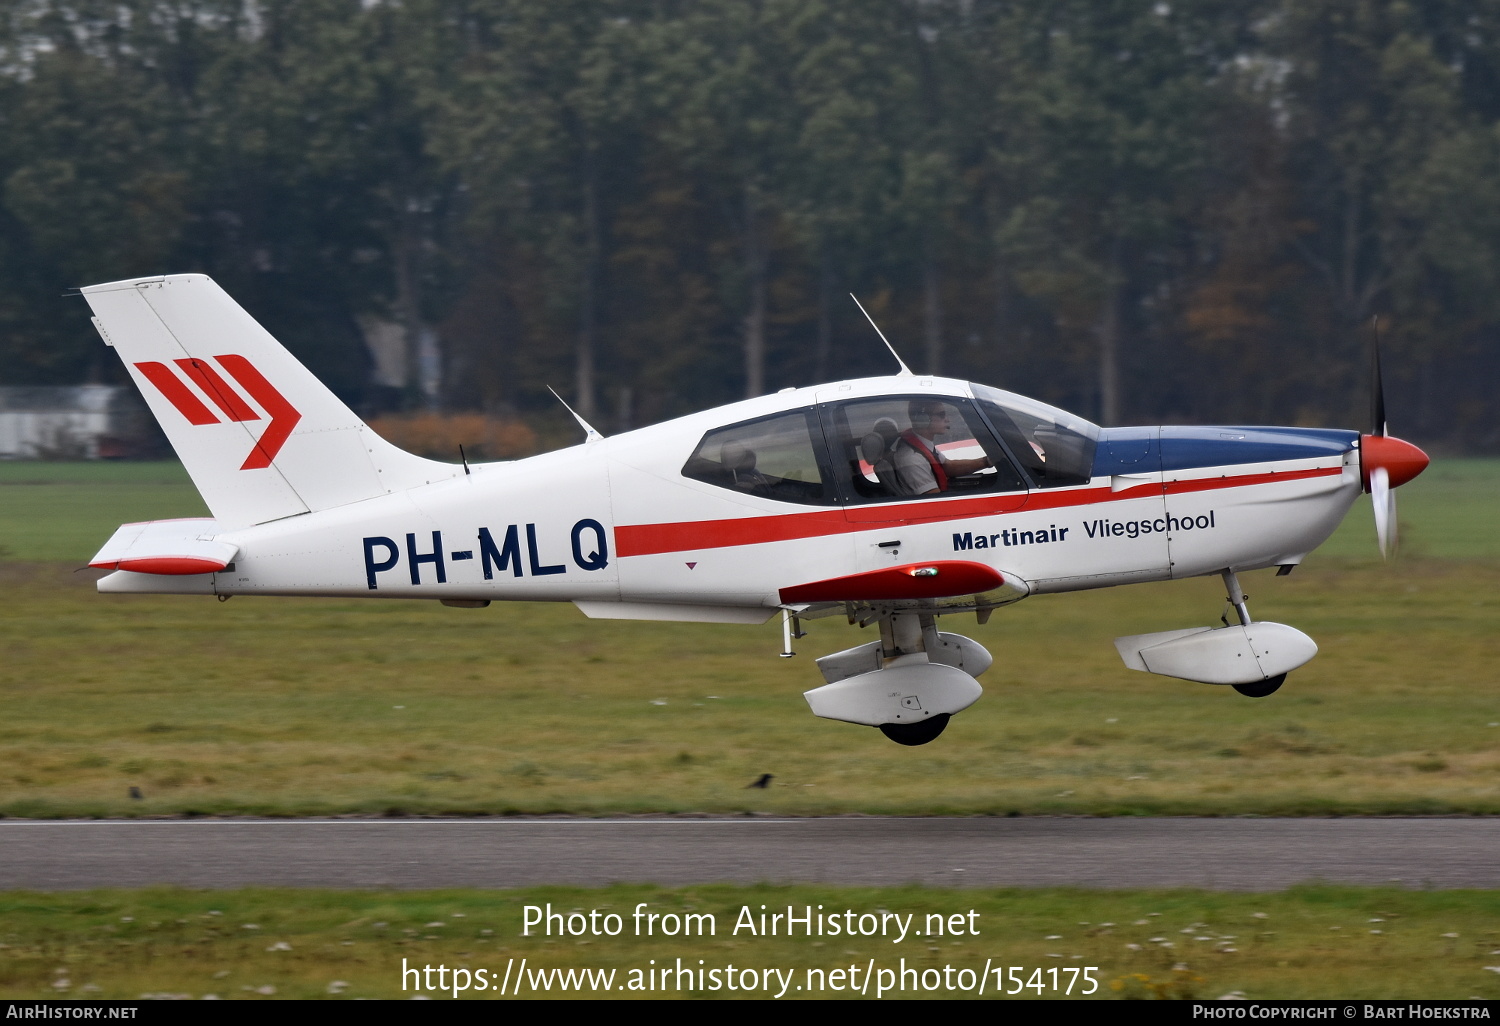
(875,450)
(738,460)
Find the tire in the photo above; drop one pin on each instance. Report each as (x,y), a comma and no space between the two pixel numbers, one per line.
(1262,688)
(913,734)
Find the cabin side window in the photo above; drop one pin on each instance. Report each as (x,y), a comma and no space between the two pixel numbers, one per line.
(1055,447)
(774,458)
(900,447)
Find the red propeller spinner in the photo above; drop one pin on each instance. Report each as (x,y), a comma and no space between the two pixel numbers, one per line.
(1400,460)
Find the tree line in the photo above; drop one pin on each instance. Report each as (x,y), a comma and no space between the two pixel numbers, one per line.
(1182,210)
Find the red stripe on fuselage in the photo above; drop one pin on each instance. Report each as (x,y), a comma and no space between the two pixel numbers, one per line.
(653,539)
(646,539)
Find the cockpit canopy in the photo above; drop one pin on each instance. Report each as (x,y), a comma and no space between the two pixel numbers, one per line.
(895,447)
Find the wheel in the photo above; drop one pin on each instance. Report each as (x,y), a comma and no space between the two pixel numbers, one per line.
(1261,689)
(913,734)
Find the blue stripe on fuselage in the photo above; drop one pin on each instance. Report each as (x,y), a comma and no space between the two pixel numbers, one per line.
(1139,449)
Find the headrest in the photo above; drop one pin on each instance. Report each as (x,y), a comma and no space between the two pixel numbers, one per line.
(737,457)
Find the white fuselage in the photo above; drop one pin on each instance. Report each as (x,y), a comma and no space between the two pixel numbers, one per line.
(616,521)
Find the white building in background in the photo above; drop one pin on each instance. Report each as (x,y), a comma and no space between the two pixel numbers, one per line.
(390,350)
(69,422)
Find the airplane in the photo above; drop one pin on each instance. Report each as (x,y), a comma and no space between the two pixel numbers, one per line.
(890,501)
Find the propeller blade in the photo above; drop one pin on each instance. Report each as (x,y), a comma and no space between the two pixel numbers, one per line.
(1377,387)
(1385,462)
(1384,499)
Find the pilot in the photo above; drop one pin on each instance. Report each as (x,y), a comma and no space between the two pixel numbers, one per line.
(920,468)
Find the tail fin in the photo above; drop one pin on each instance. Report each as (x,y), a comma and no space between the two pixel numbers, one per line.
(260,436)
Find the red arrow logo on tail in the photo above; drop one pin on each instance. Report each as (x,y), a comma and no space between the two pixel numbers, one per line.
(216,388)
(284,415)
(189,405)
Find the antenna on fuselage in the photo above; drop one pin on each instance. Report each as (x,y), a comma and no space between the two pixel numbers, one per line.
(905,370)
(1377,387)
(592,435)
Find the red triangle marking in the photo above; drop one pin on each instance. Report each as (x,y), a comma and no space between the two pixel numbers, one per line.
(691,565)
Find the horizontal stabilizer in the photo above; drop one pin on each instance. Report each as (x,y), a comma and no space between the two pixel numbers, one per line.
(168,547)
(124,582)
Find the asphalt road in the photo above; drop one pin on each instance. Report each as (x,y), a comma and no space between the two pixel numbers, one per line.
(1227,854)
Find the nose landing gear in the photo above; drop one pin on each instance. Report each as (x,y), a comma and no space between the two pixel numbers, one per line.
(1261,690)
(1238,599)
(908,684)
(1251,656)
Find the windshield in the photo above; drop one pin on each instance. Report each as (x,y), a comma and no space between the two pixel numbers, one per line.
(1055,447)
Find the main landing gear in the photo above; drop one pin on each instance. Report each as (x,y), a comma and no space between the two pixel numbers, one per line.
(914,734)
(909,684)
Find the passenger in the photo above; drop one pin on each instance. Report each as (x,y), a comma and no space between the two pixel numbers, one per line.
(920,468)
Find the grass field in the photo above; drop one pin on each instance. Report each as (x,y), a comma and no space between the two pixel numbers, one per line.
(1311,941)
(64,511)
(1451,512)
(288,706)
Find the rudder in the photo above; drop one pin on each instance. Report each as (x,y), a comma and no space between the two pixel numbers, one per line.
(261,437)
